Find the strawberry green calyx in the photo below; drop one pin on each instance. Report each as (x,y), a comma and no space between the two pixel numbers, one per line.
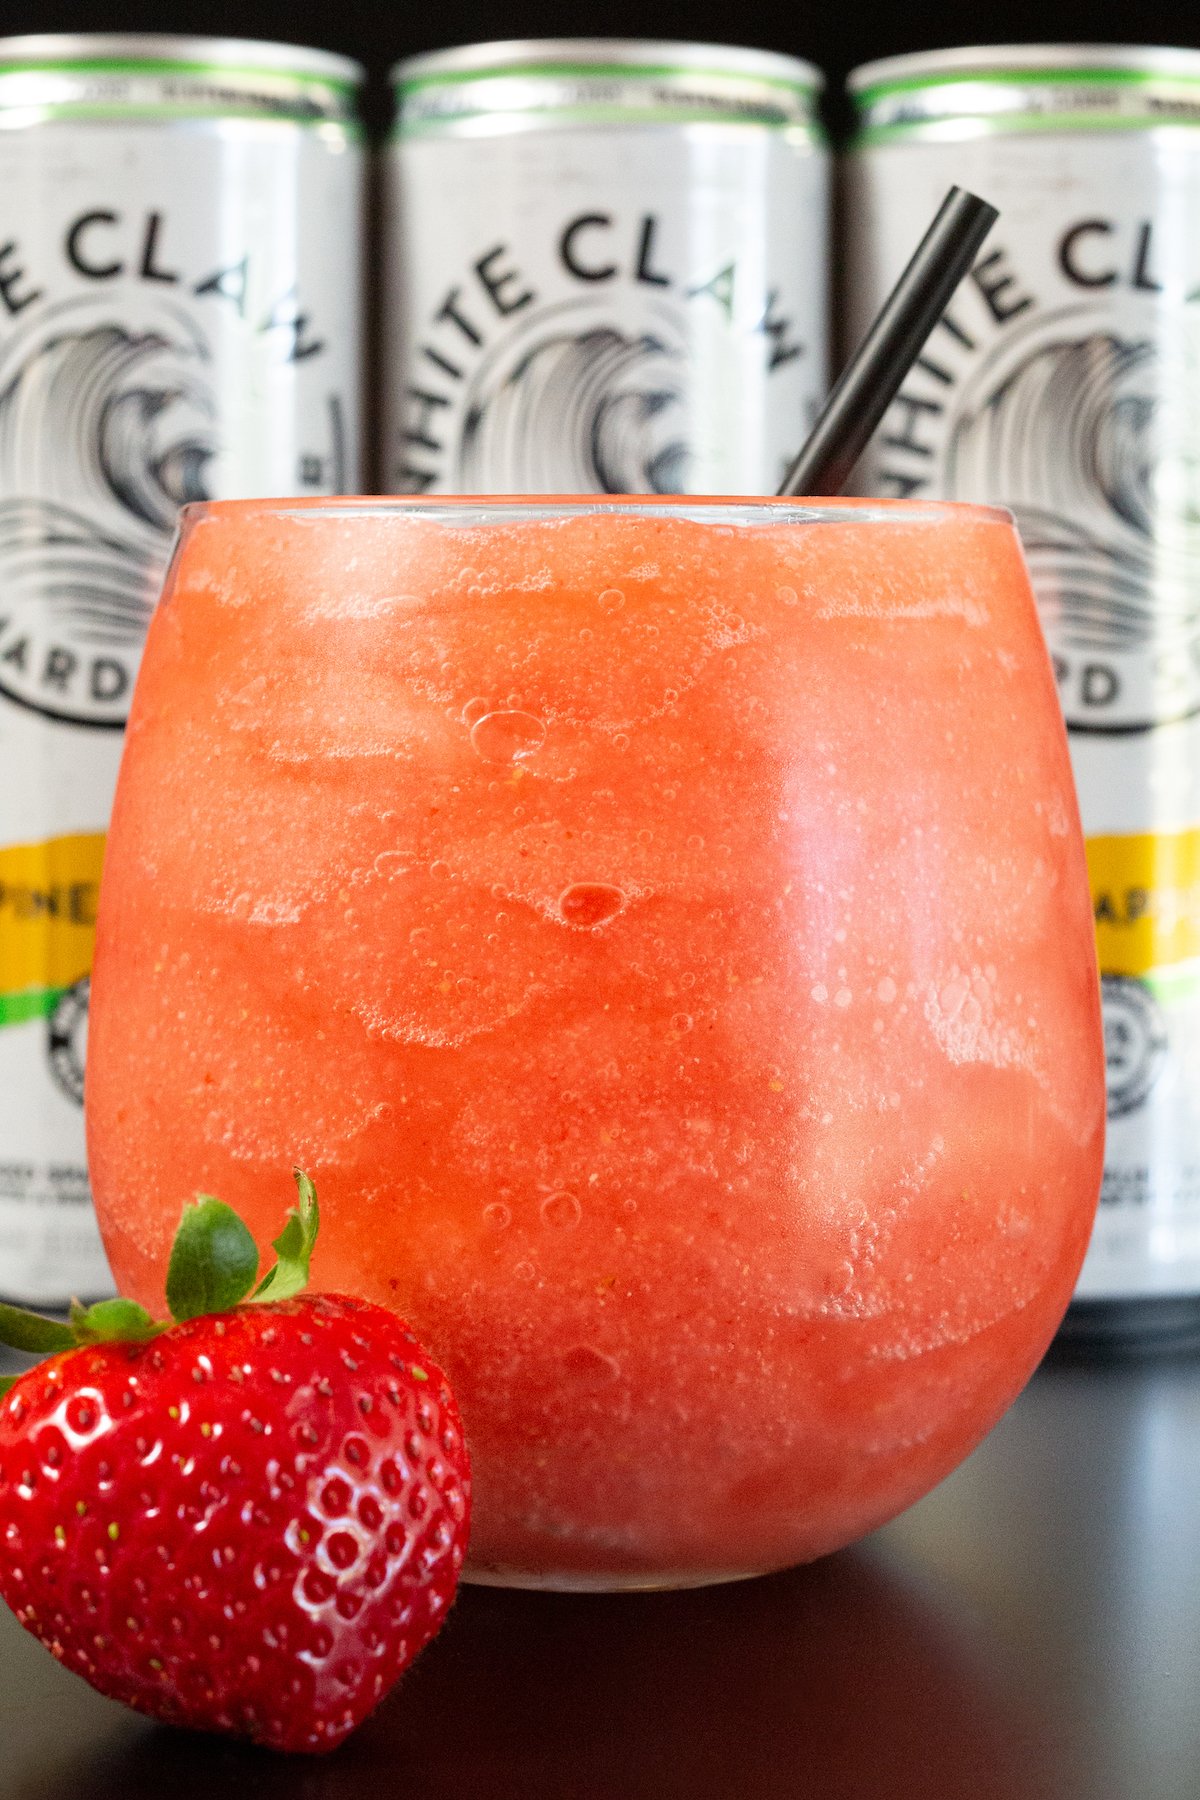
(294,1246)
(112,1322)
(32,1333)
(214,1260)
(213,1268)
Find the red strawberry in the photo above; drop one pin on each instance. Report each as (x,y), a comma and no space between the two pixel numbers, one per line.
(248,1522)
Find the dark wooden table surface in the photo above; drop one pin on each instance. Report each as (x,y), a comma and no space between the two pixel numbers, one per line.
(1031,1631)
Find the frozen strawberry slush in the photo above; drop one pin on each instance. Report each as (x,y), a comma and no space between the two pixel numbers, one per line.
(663,934)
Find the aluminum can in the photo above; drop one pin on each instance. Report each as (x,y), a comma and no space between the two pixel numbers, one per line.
(179,318)
(1064,382)
(606,269)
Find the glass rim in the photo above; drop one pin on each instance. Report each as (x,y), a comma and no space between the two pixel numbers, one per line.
(702,509)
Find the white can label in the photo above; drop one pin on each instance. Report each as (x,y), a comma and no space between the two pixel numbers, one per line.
(633,310)
(1064,382)
(173,326)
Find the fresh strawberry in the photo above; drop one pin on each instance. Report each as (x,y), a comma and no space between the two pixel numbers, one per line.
(249,1521)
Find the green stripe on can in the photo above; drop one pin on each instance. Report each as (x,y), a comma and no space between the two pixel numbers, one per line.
(1065,77)
(205,71)
(39,88)
(30,1003)
(1174,983)
(969,102)
(597,72)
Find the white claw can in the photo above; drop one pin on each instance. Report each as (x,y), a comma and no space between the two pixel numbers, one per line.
(179,319)
(1064,382)
(607,269)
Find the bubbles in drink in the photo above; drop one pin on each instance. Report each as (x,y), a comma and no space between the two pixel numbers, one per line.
(561,1211)
(274,912)
(390,863)
(503,737)
(590,903)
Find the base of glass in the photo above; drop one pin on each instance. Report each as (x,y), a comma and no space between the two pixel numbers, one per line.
(1145,1326)
(573,1581)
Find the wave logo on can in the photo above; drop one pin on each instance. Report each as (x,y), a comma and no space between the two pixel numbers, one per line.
(1084,419)
(1092,437)
(106,429)
(578,400)
(511,390)
(127,380)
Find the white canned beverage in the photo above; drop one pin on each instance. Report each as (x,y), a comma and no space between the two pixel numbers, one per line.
(1064,382)
(607,269)
(179,318)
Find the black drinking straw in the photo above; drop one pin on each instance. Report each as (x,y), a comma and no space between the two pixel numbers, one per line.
(871,379)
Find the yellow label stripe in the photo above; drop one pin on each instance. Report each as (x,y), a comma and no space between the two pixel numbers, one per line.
(1146,900)
(48,897)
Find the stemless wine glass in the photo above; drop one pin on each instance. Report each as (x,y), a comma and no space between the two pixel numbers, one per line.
(661,929)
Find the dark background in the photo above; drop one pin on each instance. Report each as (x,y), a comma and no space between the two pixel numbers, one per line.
(835,34)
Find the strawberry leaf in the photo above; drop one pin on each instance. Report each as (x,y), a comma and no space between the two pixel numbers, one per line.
(214,1260)
(293,1246)
(30,1332)
(7,1384)
(112,1322)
